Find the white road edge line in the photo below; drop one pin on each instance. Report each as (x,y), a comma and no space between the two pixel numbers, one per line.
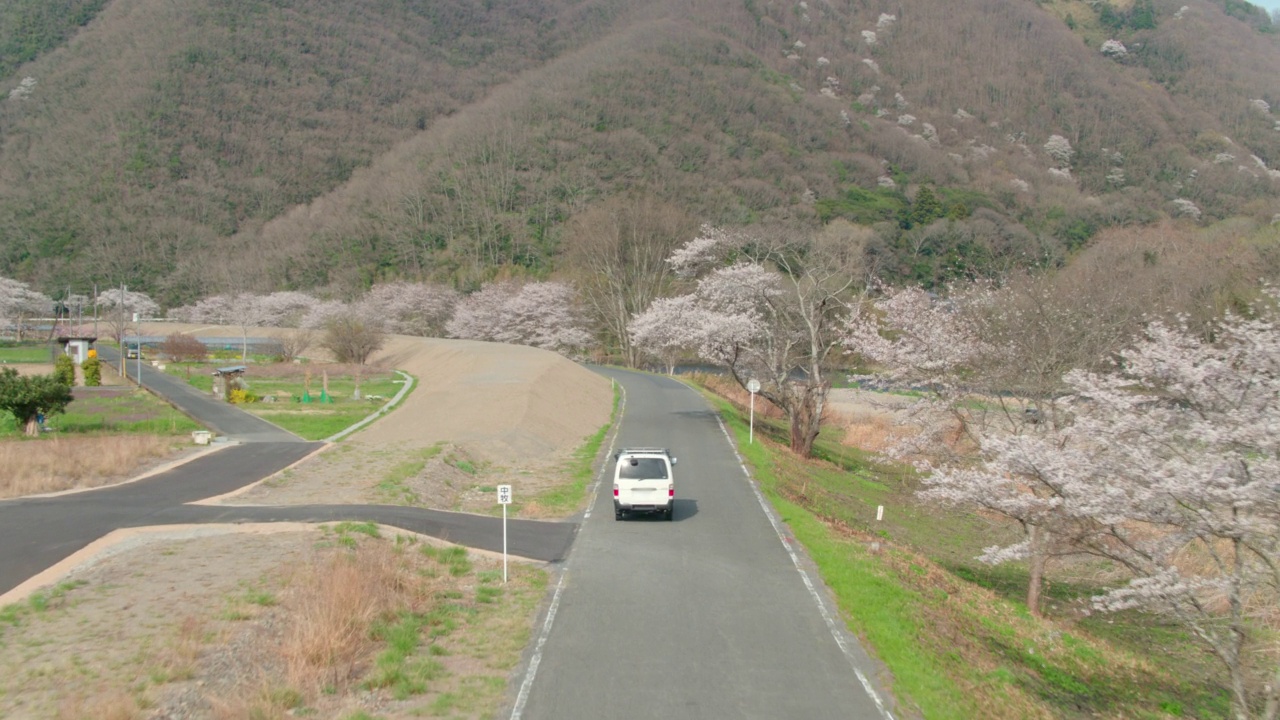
(536,659)
(827,615)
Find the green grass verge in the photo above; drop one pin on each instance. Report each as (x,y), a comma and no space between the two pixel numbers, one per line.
(567,498)
(39,602)
(879,610)
(955,635)
(394,486)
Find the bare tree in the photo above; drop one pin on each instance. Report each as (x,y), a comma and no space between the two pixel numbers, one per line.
(294,343)
(618,252)
(352,338)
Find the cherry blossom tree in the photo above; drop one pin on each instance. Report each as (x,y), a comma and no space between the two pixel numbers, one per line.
(668,330)
(1009,345)
(18,302)
(324,311)
(1186,435)
(119,305)
(214,310)
(541,314)
(767,307)
(278,309)
(1059,148)
(411,308)
(284,309)
(966,350)
(1169,464)
(478,315)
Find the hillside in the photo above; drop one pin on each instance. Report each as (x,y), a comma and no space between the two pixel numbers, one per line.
(192,147)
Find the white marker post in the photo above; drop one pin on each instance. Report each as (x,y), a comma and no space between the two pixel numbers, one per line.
(753,387)
(504,499)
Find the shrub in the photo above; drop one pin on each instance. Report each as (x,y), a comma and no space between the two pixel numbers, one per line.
(862,206)
(64,370)
(92,369)
(181,347)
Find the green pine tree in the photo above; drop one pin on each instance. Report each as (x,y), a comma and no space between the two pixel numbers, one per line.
(926,207)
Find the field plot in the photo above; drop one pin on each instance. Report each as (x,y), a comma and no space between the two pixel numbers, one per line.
(311,401)
(107,434)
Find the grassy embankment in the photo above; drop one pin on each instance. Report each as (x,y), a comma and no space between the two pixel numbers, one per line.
(956,635)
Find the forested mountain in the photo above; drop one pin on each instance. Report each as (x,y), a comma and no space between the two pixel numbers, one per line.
(188,147)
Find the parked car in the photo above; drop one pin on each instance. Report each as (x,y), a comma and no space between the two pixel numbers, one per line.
(643,482)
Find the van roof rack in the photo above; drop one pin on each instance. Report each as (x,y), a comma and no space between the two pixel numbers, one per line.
(642,451)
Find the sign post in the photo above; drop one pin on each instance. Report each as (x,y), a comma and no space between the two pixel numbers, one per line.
(504,499)
(753,387)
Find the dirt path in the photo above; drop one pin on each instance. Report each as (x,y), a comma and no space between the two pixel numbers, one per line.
(107,636)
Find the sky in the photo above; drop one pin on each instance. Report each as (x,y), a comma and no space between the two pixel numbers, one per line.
(1270,5)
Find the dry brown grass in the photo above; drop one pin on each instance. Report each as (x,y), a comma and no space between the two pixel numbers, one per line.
(327,612)
(63,463)
(179,659)
(334,601)
(106,704)
(870,432)
(263,701)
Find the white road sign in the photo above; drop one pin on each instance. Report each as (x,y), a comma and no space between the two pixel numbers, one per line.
(504,494)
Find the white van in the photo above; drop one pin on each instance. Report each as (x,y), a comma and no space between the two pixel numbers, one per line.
(643,482)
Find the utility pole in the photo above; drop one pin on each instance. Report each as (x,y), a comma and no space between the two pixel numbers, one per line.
(122,328)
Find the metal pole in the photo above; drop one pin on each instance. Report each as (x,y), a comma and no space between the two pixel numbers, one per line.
(751,434)
(504,544)
(123,367)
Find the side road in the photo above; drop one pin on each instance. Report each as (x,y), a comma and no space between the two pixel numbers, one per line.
(223,418)
(38,533)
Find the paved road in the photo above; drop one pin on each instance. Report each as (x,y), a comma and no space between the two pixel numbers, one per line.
(223,418)
(37,533)
(703,617)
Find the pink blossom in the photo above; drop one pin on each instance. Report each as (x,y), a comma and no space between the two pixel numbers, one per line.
(541,314)
(412,308)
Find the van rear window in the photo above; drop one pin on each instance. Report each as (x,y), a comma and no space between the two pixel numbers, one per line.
(642,469)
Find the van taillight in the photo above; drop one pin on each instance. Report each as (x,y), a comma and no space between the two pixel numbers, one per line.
(615,490)
(671,490)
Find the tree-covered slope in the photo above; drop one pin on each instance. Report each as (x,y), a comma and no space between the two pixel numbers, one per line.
(192,147)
